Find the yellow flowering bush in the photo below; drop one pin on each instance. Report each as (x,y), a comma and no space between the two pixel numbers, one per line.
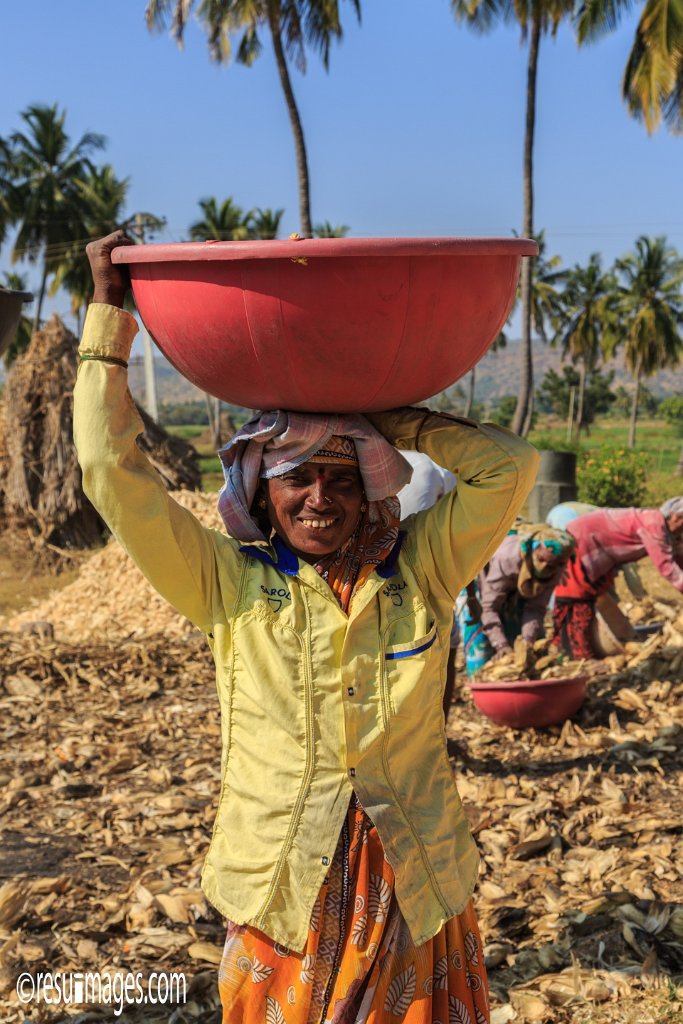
(612,477)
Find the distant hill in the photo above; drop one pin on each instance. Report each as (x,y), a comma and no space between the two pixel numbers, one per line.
(171,386)
(498,373)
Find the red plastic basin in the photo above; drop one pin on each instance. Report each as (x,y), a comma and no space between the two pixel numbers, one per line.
(325,324)
(530,702)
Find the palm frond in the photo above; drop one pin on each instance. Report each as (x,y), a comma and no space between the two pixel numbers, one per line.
(327,230)
(158,12)
(483,15)
(595,18)
(655,63)
(250,47)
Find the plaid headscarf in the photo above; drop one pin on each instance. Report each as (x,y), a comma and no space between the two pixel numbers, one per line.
(273,443)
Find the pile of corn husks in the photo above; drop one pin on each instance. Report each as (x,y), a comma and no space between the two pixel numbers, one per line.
(109,775)
(541,659)
(525,660)
(111,600)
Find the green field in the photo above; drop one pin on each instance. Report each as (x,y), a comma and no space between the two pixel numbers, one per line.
(209,463)
(187,431)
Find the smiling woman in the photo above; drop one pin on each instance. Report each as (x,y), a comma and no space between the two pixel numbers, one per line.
(341,857)
(317,506)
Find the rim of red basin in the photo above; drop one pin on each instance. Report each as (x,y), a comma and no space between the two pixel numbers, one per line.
(183,252)
(525,684)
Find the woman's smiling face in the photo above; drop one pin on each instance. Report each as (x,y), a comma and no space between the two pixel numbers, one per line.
(315,507)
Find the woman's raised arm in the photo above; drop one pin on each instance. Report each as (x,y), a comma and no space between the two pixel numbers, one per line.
(172,549)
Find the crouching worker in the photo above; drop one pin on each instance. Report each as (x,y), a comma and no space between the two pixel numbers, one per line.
(340,856)
(606,540)
(516,586)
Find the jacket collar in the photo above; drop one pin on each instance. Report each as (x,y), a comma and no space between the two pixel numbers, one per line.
(286,561)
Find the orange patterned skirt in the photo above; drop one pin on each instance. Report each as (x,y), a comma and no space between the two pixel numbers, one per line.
(360,965)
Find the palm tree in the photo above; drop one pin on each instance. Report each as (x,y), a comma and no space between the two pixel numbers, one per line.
(103,196)
(45,172)
(22,338)
(292,25)
(228,221)
(8,201)
(546,300)
(649,313)
(545,305)
(265,223)
(652,84)
(535,18)
(327,230)
(586,320)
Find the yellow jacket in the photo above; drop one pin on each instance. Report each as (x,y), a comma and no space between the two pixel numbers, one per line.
(315,703)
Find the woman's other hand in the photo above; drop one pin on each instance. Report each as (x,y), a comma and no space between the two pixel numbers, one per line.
(111,281)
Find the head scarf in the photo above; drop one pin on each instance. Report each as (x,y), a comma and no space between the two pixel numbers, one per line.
(338,451)
(560,543)
(273,443)
(672,507)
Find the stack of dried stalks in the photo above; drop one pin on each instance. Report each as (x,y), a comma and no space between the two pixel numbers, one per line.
(538,660)
(40,480)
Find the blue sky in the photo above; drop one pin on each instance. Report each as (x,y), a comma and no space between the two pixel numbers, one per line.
(416,130)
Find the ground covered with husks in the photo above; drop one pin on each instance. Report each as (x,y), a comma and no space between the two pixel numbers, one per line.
(109,775)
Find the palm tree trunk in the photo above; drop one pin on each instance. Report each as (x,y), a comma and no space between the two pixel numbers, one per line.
(470,391)
(529,418)
(521,420)
(578,422)
(41,296)
(634,407)
(293,110)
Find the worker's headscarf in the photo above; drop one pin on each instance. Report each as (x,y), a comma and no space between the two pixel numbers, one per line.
(534,576)
(672,507)
(273,443)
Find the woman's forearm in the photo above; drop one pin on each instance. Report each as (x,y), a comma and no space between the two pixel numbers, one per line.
(496,470)
(167,543)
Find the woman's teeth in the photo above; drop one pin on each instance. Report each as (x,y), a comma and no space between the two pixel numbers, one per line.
(316,524)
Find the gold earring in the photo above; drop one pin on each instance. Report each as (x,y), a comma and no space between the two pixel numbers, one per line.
(261,503)
(364,506)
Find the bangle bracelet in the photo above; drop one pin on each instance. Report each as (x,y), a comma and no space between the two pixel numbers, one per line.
(106,359)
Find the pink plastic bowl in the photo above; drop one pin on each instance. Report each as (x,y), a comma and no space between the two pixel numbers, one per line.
(530,702)
(325,324)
